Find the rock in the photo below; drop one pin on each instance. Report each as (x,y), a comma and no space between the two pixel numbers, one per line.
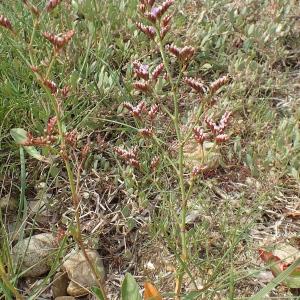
(60,284)
(65,298)
(35,254)
(39,209)
(79,272)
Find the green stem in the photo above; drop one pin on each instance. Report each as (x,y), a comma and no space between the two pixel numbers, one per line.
(35,25)
(184,195)
(52,60)
(7,282)
(71,180)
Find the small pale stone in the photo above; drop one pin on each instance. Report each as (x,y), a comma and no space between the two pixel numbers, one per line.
(85,195)
(65,298)
(60,284)
(35,253)
(79,272)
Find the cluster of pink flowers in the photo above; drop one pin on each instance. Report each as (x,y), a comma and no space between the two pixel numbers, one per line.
(129,156)
(137,111)
(59,41)
(217,84)
(199,135)
(4,22)
(184,54)
(155,14)
(45,140)
(71,137)
(147,80)
(52,4)
(195,84)
(218,128)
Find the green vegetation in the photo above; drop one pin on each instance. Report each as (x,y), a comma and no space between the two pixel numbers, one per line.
(188,217)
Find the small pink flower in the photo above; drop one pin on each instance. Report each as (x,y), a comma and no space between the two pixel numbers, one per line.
(52,4)
(4,22)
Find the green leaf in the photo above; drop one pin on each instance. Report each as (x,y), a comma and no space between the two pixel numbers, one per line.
(130,288)
(251,29)
(192,296)
(98,293)
(20,137)
(282,277)
(35,153)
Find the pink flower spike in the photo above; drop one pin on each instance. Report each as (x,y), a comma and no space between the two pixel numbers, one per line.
(4,22)
(157,71)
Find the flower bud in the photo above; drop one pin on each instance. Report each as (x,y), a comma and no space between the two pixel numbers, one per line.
(143,86)
(59,41)
(4,22)
(85,150)
(141,70)
(199,135)
(165,6)
(197,170)
(221,138)
(146,132)
(32,8)
(52,4)
(51,124)
(71,137)
(157,71)
(65,91)
(196,85)
(148,30)
(166,20)
(51,86)
(154,163)
(153,111)
(174,50)
(164,31)
(217,84)
(186,53)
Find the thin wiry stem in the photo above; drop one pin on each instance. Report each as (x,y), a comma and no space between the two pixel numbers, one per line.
(75,200)
(180,161)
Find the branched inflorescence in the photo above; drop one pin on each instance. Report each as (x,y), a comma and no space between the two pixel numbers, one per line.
(146,80)
(184,54)
(155,15)
(129,156)
(59,41)
(156,25)
(48,139)
(199,135)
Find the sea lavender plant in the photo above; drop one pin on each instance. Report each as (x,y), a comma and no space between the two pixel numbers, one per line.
(56,138)
(155,23)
